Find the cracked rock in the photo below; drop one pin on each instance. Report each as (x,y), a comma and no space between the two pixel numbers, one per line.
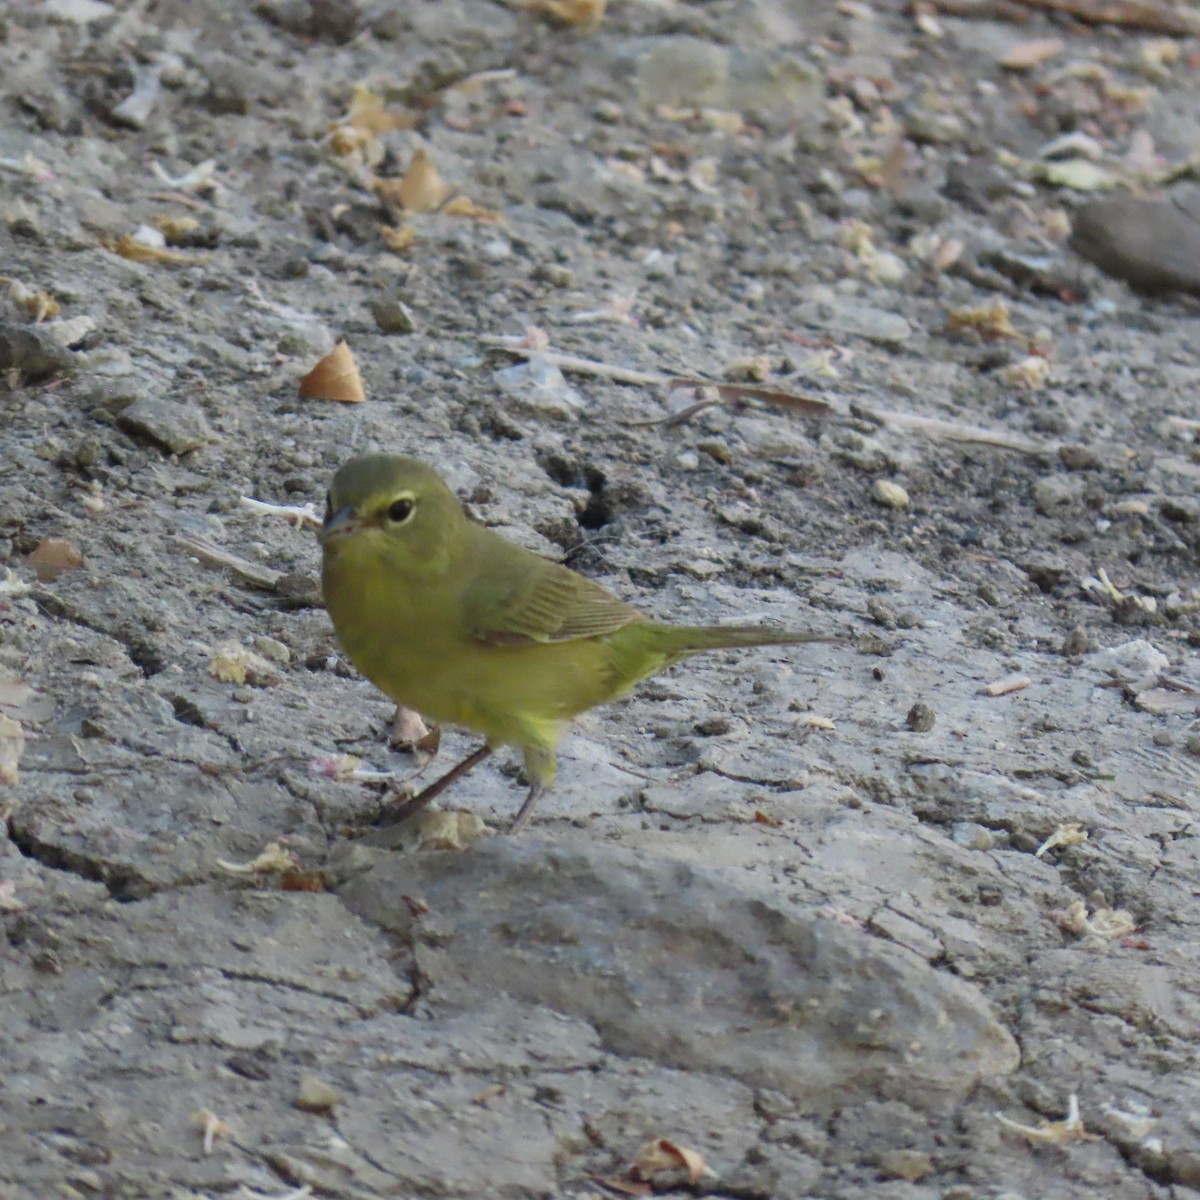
(677,965)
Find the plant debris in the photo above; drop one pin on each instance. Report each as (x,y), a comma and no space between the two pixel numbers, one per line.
(335,377)
(1054,1133)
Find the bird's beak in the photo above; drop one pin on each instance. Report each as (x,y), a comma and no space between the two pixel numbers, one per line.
(339,525)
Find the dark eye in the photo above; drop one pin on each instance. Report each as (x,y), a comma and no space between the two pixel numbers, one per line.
(401,510)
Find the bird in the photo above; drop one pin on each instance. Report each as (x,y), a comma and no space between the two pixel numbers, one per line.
(449,618)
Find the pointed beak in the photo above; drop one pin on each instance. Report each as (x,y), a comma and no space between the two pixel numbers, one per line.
(339,525)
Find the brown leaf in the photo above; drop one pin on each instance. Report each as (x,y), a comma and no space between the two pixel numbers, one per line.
(300,879)
(762,818)
(335,377)
(52,556)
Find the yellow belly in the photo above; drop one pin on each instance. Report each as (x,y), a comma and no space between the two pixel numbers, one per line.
(406,642)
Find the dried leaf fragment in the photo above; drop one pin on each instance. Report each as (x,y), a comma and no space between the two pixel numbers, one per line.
(1099,926)
(52,556)
(12,745)
(297,514)
(398,239)
(1027,55)
(272,860)
(231,662)
(1010,683)
(147,244)
(212,1125)
(1030,374)
(464,206)
(1053,1133)
(662,1154)
(176,230)
(335,377)
(991,321)
(8,897)
(420,189)
(1070,834)
(37,306)
(13,585)
(369,113)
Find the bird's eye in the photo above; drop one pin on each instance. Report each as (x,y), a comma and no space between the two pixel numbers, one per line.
(401,510)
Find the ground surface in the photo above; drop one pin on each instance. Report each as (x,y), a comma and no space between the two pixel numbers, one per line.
(823,953)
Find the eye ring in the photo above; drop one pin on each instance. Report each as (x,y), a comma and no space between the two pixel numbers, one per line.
(400,510)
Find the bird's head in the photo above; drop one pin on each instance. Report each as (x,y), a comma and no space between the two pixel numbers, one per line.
(397,510)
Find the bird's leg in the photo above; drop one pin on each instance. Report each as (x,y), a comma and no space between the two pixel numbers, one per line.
(541,765)
(411,807)
(526,811)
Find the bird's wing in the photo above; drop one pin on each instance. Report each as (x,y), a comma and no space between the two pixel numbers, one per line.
(517,597)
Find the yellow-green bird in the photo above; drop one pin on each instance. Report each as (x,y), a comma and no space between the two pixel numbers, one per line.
(447,617)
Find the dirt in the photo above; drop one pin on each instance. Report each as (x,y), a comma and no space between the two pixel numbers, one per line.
(829,201)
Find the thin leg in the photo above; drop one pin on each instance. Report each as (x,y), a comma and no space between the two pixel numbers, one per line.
(535,793)
(410,808)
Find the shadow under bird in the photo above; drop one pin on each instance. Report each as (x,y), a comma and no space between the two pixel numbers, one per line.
(449,618)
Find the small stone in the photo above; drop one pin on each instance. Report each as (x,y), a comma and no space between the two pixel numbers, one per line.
(973,835)
(116,395)
(315,1095)
(1078,458)
(270,649)
(392,315)
(496,250)
(912,1165)
(32,351)
(1184,510)
(881,612)
(717,450)
(555,274)
(889,494)
(540,388)
(1076,642)
(1053,493)
(683,71)
(921,718)
(843,316)
(175,426)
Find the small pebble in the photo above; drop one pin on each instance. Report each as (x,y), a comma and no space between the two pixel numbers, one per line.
(921,718)
(905,1164)
(1076,642)
(175,426)
(392,315)
(315,1095)
(889,494)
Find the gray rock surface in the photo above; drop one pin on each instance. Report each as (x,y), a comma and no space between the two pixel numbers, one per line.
(683,966)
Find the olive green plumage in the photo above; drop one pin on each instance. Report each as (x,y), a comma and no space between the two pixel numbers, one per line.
(447,617)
